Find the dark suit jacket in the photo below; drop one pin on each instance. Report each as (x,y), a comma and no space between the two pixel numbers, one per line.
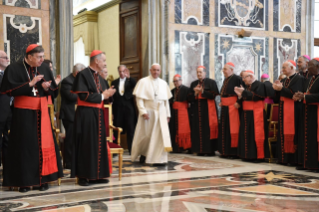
(5,109)
(128,99)
(67,110)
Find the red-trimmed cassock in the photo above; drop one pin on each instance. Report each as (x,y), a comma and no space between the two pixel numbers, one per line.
(230,117)
(33,156)
(204,118)
(179,125)
(253,140)
(289,119)
(310,131)
(90,155)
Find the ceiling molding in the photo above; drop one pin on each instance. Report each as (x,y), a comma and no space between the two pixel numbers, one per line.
(106,6)
(87,16)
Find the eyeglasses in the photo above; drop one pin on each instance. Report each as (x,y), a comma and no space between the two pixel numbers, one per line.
(7,58)
(39,57)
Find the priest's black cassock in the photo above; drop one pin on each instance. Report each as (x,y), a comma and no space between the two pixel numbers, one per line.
(25,163)
(90,155)
(179,97)
(204,118)
(288,140)
(253,138)
(308,154)
(226,141)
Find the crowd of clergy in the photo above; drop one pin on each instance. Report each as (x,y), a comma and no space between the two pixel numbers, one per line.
(201,119)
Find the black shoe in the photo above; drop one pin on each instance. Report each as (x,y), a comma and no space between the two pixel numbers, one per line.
(222,156)
(24,189)
(99,181)
(142,159)
(83,182)
(315,170)
(300,168)
(44,187)
(189,151)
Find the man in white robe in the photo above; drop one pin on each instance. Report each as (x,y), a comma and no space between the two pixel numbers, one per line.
(152,138)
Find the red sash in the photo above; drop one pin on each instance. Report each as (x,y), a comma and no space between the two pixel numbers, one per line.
(289,124)
(212,116)
(50,100)
(233,119)
(49,161)
(258,109)
(106,121)
(183,137)
(317,122)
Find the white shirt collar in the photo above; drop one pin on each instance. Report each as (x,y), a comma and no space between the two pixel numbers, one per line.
(123,79)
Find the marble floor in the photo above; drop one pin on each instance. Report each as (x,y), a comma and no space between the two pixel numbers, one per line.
(188,183)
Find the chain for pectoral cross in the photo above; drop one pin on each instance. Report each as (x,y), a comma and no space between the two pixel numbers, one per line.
(311,83)
(34,90)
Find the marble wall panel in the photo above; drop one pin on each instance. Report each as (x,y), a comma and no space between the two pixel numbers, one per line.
(246,53)
(34,4)
(193,12)
(242,14)
(287,15)
(19,32)
(285,49)
(191,51)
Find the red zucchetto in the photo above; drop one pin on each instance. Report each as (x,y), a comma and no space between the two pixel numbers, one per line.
(31,47)
(95,52)
(230,64)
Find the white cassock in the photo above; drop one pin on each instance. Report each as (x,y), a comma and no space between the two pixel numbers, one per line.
(152,138)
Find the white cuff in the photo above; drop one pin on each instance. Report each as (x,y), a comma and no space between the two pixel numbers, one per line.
(102,97)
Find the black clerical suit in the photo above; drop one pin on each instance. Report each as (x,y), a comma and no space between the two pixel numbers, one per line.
(124,110)
(67,113)
(5,120)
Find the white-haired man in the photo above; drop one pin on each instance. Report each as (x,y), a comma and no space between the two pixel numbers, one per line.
(229,125)
(289,115)
(67,112)
(253,139)
(302,64)
(152,138)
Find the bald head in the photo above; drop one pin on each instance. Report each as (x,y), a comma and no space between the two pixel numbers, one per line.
(4,60)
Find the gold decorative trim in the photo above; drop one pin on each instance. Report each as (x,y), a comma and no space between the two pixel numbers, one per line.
(106,6)
(87,16)
(168,149)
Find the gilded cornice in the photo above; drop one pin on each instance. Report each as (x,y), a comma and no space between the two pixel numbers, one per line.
(87,16)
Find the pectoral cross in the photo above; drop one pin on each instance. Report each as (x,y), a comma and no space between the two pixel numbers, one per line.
(34,91)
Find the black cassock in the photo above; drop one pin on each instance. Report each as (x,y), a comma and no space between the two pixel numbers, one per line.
(291,85)
(180,96)
(224,139)
(200,129)
(90,156)
(23,162)
(308,148)
(247,147)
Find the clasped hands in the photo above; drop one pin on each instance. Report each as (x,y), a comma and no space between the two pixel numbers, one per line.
(277,86)
(36,79)
(198,89)
(109,92)
(298,96)
(147,117)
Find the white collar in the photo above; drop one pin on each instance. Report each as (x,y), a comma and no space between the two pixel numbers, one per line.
(123,79)
(92,69)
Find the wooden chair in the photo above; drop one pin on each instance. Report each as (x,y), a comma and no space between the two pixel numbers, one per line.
(56,131)
(114,148)
(273,128)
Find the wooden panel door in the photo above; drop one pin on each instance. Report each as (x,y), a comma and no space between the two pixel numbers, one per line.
(130,36)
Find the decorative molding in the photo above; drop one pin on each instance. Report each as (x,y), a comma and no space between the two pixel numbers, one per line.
(87,16)
(106,6)
(287,15)
(22,27)
(33,6)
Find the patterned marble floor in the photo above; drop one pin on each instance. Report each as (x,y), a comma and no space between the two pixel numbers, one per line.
(188,183)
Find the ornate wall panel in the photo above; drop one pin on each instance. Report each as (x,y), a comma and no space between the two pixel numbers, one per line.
(19,32)
(242,13)
(193,12)
(285,49)
(34,4)
(287,15)
(246,53)
(191,50)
